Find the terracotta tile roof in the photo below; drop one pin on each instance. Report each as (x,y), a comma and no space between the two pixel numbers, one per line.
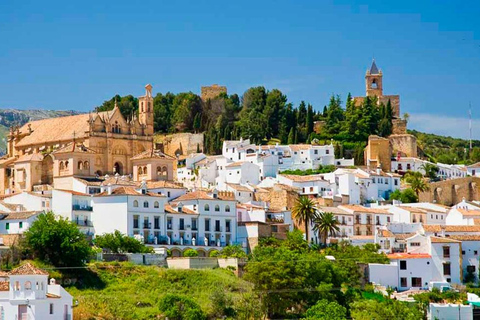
(396,256)
(358,208)
(438,228)
(239,187)
(297,178)
(20,215)
(300,147)
(127,191)
(75,193)
(414,209)
(163,184)
(152,154)
(174,209)
(385,233)
(235,164)
(77,148)
(362,238)
(52,296)
(55,129)
(93,183)
(12,206)
(334,210)
(4,286)
(118,180)
(6,161)
(361,176)
(30,157)
(443,240)
(203,195)
(469,237)
(475,165)
(469,213)
(403,236)
(27,269)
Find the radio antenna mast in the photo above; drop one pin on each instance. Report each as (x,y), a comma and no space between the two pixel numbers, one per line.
(470,124)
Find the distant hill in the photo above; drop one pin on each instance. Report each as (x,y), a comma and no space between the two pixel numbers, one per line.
(15,117)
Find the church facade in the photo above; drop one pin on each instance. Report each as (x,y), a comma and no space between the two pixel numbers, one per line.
(50,152)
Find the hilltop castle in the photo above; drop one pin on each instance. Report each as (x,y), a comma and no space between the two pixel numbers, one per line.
(52,151)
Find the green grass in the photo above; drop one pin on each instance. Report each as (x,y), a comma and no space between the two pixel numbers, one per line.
(373,296)
(126,291)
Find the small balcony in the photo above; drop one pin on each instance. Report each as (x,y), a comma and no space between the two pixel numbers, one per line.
(84,223)
(169,226)
(218,229)
(227,229)
(147,225)
(78,207)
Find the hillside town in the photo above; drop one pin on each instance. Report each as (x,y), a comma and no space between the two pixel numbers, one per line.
(107,173)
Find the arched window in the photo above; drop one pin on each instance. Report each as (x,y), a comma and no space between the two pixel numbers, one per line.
(217,208)
(156,205)
(148,106)
(374,84)
(140,170)
(86,165)
(142,107)
(16,287)
(37,286)
(80,165)
(145,204)
(66,165)
(28,285)
(164,171)
(227,208)
(207,207)
(62,165)
(145,170)
(41,284)
(159,171)
(135,204)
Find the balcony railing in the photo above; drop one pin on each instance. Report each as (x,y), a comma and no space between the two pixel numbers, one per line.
(218,229)
(194,228)
(78,207)
(84,223)
(147,225)
(156,226)
(169,226)
(227,229)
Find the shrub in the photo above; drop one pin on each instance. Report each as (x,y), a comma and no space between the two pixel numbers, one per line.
(177,307)
(117,242)
(190,253)
(233,251)
(214,253)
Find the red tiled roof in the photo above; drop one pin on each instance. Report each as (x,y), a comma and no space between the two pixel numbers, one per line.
(27,269)
(75,193)
(395,256)
(358,208)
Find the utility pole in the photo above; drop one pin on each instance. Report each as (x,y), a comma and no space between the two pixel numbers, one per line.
(470,124)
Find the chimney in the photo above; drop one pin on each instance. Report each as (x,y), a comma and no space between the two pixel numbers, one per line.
(379,169)
(109,188)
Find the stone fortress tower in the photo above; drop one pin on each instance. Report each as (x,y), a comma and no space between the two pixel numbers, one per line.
(400,143)
(213,91)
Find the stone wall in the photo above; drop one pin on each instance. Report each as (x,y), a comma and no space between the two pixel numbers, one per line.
(406,144)
(450,192)
(210,92)
(378,152)
(279,197)
(394,101)
(399,126)
(180,143)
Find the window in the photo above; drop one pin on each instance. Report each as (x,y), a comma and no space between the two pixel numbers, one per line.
(28,285)
(145,204)
(217,208)
(194,224)
(182,224)
(217,226)
(156,204)
(463,252)
(7,225)
(475,252)
(386,181)
(403,282)
(227,208)
(311,189)
(327,151)
(315,151)
(51,308)
(168,194)
(135,222)
(416,282)
(471,269)
(446,252)
(446,269)
(80,165)
(20,224)
(227,226)
(415,244)
(395,182)
(156,222)
(135,203)
(403,265)
(207,224)
(169,223)
(86,165)
(207,207)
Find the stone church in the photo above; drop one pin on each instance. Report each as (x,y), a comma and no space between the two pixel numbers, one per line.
(50,152)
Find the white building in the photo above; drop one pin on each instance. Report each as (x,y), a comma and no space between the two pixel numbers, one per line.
(314,185)
(474,170)
(31,201)
(16,222)
(26,294)
(74,206)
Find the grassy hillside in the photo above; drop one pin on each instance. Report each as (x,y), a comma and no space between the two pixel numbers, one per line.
(125,291)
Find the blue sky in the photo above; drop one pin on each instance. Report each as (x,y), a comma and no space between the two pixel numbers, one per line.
(74,55)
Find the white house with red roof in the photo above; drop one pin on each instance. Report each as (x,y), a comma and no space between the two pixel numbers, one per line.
(25,293)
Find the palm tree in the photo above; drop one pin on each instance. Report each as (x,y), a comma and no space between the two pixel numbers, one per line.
(325,224)
(304,211)
(416,182)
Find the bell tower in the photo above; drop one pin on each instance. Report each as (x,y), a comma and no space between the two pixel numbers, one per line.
(373,81)
(145,112)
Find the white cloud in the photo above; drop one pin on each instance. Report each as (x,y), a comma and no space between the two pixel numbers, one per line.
(444,125)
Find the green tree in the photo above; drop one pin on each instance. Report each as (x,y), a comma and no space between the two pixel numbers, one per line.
(128,105)
(57,241)
(233,251)
(186,105)
(304,210)
(190,253)
(389,309)
(117,242)
(177,307)
(416,181)
(309,120)
(335,115)
(162,111)
(406,196)
(326,310)
(274,110)
(430,169)
(291,136)
(197,122)
(325,224)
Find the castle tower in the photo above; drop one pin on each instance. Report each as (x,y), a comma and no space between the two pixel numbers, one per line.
(145,113)
(373,81)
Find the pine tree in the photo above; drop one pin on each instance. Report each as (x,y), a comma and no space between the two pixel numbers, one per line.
(309,120)
(291,137)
